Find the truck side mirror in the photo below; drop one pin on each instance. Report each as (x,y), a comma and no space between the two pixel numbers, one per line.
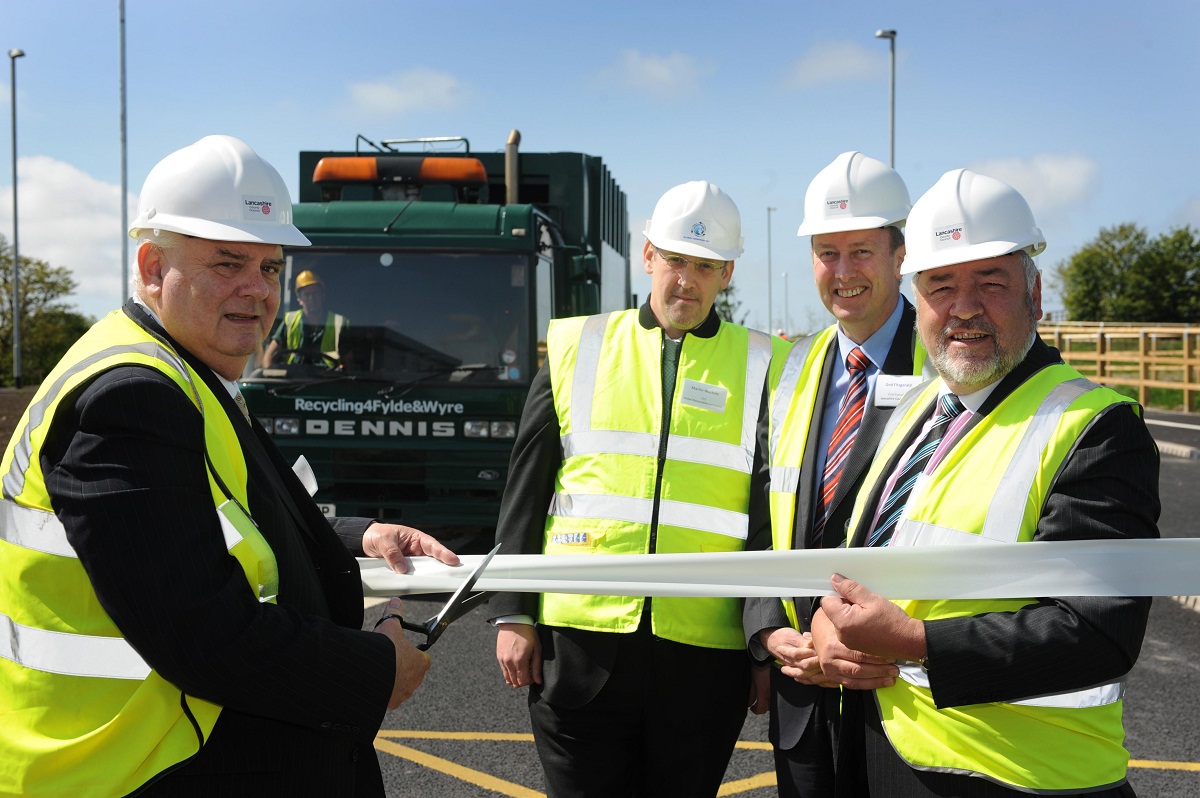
(585,268)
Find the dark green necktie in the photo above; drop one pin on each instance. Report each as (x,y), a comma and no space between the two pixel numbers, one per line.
(670,366)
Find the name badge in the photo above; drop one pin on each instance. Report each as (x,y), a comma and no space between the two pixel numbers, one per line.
(705,397)
(890,387)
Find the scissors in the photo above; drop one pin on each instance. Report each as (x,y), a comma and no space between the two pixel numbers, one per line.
(459,605)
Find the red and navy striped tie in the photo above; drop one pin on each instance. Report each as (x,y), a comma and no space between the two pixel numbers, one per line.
(849,418)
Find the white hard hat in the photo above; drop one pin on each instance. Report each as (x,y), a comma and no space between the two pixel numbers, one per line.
(968,216)
(697,218)
(219,189)
(854,192)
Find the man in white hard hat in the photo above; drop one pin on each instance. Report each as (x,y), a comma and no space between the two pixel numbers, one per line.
(993,697)
(311,334)
(835,394)
(640,435)
(182,619)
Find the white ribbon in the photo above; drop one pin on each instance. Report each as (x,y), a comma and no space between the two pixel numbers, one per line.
(1161,567)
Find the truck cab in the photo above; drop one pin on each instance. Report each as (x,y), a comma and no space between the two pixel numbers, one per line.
(443,269)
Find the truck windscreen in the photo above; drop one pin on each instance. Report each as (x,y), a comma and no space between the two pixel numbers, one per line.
(403,316)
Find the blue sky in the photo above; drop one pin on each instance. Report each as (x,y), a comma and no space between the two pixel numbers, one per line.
(1090,109)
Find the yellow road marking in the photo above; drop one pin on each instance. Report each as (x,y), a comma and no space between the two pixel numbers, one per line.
(1151,764)
(746,785)
(469,775)
(441,735)
(383,742)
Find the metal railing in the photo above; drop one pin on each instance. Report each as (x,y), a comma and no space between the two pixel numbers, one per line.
(1143,357)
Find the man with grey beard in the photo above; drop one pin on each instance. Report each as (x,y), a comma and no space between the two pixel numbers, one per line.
(990,697)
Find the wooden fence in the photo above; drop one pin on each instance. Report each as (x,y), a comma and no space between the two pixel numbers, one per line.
(1161,362)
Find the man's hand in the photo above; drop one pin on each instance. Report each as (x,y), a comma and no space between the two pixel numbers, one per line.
(411,664)
(795,652)
(868,622)
(393,542)
(846,666)
(859,634)
(519,653)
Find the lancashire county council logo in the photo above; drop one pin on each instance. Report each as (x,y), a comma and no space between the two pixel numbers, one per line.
(698,229)
(843,205)
(957,234)
(266,209)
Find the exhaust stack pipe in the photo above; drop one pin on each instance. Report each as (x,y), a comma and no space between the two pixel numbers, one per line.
(512,170)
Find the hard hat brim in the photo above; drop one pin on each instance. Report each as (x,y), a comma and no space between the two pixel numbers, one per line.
(698,250)
(261,233)
(956,255)
(846,225)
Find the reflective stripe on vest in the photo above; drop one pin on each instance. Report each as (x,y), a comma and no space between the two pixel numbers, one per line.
(608,396)
(990,489)
(640,511)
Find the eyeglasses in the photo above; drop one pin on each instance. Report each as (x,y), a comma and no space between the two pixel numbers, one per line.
(679,263)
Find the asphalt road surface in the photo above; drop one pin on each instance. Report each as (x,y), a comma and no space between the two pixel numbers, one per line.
(466,735)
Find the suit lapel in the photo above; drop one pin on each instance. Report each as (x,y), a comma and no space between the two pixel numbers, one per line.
(899,361)
(806,490)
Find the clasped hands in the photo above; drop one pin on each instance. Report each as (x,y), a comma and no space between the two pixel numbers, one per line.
(856,639)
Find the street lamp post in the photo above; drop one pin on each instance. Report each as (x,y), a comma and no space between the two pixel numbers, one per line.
(890,35)
(124,288)
(13,55)
(787,324)
(769,212)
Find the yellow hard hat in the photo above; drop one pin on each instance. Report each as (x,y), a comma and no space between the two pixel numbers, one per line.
(306,278)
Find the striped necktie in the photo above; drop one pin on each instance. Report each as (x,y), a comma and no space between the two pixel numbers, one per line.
(948,409)
(849,418)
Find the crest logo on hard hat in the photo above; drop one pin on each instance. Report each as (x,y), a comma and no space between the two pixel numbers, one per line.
(698,229)
(949,235)
(257,207)
(837,206)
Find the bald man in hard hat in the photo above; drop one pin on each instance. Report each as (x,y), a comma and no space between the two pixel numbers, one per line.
(992,697)
(311,334)
(179,618)
(837,390)
(640,436)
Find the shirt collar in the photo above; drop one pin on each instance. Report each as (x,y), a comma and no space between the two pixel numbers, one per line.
(876,347)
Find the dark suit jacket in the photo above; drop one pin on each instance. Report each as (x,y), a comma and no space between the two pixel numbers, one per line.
(1106,488)
(791,702)
(576,664)
(304,689)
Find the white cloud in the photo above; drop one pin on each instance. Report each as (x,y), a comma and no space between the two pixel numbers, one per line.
(1189,214)
(836,62)
(1054,184)
(70,219)
(661,76)
(413,91)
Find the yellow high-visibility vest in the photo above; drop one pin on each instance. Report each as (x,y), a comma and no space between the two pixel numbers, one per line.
(991,488)
(83,714)
(294,323)
(606,376)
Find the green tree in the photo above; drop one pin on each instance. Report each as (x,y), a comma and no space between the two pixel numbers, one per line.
(48,324)
(1124,275)
(728,306)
